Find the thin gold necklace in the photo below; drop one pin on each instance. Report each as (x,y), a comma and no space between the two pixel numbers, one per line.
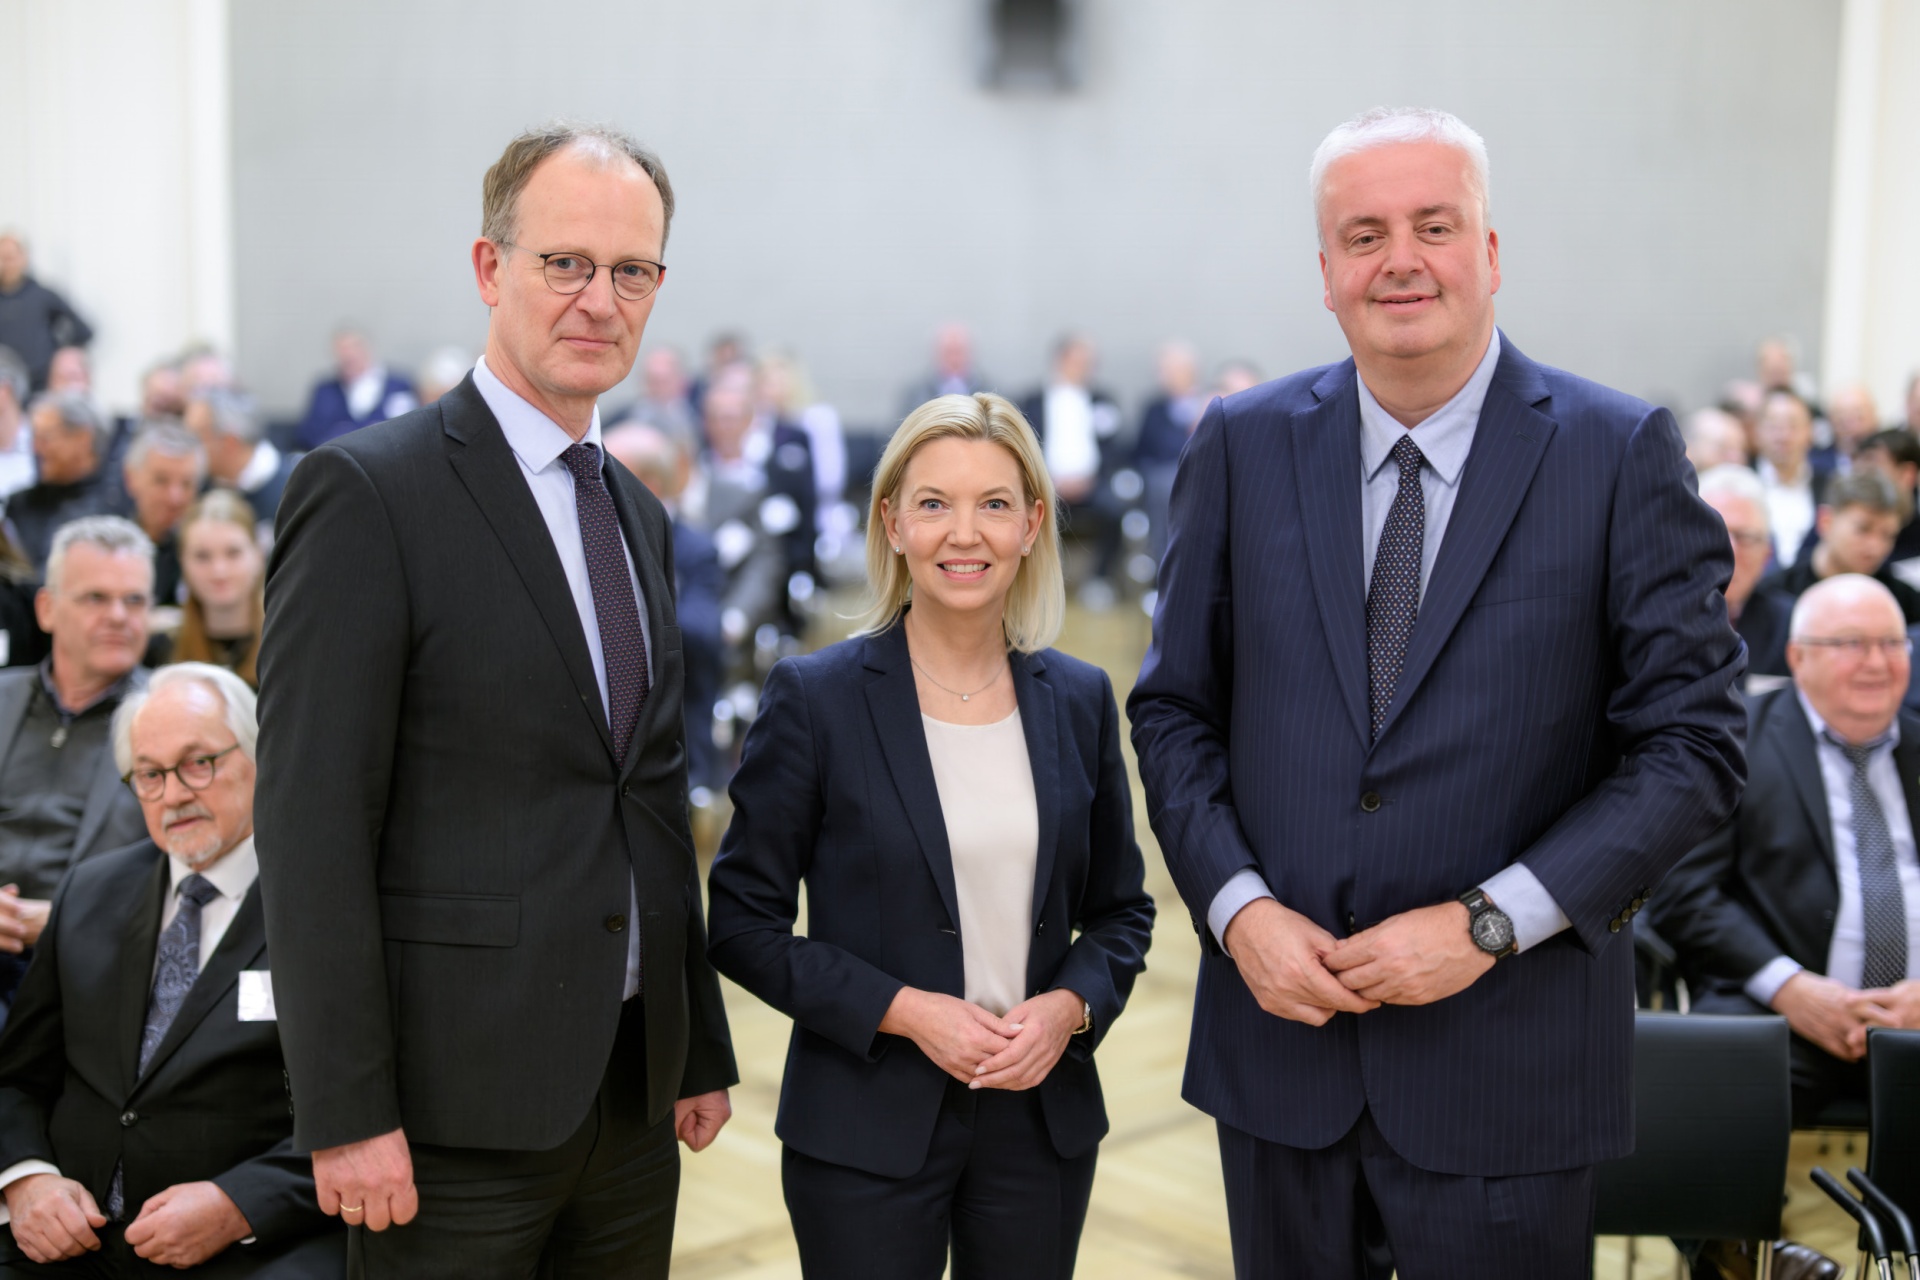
(964,697)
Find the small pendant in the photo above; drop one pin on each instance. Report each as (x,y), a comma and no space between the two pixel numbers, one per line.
(60,737)
(965,697)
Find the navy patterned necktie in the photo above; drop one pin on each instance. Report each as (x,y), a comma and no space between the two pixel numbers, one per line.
(623,646)
(1883,906)
(1393,598)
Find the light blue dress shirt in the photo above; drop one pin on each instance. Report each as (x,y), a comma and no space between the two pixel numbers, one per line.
(1445,438)
(537,442)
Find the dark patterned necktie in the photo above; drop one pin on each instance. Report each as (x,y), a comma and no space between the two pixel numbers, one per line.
(174,973)
(1393,598)
(623,646)
(1883,906)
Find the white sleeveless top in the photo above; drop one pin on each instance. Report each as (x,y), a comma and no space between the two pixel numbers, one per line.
(993,827)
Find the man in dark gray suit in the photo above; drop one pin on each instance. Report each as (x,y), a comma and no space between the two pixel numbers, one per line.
(60,795)
(490,962)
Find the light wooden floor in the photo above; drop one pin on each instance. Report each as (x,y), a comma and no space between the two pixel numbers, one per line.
(1159,1212)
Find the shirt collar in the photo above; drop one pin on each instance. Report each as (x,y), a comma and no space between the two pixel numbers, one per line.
(535,439)
(232,875)
(113,694)
(1445,437)
(1889,739)
(259,469)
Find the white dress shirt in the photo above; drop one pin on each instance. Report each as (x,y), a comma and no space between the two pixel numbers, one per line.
(1072,448)
(537,442)
(1847,953)
(1790,510)
(1445,438)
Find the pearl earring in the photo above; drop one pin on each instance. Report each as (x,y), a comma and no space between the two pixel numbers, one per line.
(896,550)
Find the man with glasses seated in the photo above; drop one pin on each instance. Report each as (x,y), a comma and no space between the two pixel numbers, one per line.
(143,1105)
(60,794)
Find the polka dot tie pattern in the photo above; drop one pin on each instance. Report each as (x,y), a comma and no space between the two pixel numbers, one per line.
(1883,905)
(623,645)
(1393,598)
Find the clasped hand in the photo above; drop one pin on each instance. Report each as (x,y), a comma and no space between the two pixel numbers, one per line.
(1837,1017)
(55,1218)
(987,1052)
(1301,972)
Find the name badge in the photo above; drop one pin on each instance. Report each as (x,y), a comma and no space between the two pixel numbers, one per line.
(256,996)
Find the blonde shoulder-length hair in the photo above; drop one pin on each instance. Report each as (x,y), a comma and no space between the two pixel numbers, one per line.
(1037,601)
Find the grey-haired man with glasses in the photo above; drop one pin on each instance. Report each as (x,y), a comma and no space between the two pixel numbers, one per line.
(479,877)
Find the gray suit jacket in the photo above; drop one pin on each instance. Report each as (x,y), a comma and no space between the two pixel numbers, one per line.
(112,817)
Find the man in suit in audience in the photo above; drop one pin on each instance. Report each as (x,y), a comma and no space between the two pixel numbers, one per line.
(361,392)
(469,847)
(748,519)
(1895,454)
(1854,529)
(143,1106)
(1165,425)
(163,470)
(1440,686)
(954,372)
(1806,901)
(69,445)
(60,795)
(1795,483)
(1759,616)
(239,455)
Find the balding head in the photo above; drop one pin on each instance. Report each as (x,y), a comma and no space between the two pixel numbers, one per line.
(657,458)
(1848,653)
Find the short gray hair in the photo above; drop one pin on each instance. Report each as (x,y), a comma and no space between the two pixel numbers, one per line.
(233,413)
(75,414)
(169,439)
(1735,481)
(1385,126)
(13,375)
(500,190)
(114,535)
(236,700)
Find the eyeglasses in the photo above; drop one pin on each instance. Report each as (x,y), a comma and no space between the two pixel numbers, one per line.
(569,273)
(1753,540)
(100,601)
(1857,647)
(195,773)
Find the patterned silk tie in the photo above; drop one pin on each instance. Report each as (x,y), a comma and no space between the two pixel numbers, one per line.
(1393,598)
(622,643)
(177,967)
(1883,906)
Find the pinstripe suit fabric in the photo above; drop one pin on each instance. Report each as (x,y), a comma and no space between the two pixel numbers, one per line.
(1566,701)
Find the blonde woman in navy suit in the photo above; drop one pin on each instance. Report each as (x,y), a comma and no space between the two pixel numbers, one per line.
(951,793)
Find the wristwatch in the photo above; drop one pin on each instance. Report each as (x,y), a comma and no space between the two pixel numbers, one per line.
(1086,1017)
(1490,927)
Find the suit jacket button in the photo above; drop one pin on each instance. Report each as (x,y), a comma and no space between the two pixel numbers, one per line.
(625,792)
(1370,802)
(1042,928)
(615,923)
(129,1118)
(1613,925)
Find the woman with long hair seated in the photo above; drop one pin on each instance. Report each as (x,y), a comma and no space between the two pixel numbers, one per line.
(951,792)
(225,575)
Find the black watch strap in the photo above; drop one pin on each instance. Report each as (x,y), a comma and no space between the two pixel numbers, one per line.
(1478,905)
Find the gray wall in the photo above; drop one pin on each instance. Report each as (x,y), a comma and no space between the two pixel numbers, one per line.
(1660,174)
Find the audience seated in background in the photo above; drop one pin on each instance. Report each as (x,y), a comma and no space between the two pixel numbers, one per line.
(60,795)
(664,389)
(1783,438)
(1808,901)
(953,374)
(70,373)
(224,602)
(730,501)
(444,370)
(1855,527)
(663,459)
(1853,417)
(725,350)
(16,435)
(239,456)
(1077,424)
(1895,454)
(34,320)
(1714,438)
(783,454)
(162,392)
(784,398)
(164,468)
(69,445)
(362,391)
(1761,617)
(1236,376)
(139,1132)
(1165,424)
(22,642)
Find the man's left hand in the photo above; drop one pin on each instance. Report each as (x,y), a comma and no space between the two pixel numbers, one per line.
(697,1120)
(1897,1006)
(185,1225)
(1416,957)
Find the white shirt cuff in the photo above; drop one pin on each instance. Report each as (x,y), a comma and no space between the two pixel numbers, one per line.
(1765,985)
(13,1173)
(1245,886)
(1535,915)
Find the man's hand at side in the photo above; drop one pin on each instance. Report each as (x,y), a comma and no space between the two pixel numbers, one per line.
(185,1225)
(368,1182)
(1416,957)
(1825,1012)
(697,1120)
(1282,958)
(54,1218)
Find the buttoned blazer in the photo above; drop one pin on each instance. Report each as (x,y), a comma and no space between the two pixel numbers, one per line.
(836,791)
(446,841)
(110,817)
(1566,702)
(1764,884)
(212,1105)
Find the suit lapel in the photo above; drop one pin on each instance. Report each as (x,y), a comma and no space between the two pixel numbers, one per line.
(140,932)
(1906,758)
(895,707)
(485,464)
(1792,737)
(244,940)
(1039,721)
(1326,451)
(656,594)
(1508,444)
(101,794)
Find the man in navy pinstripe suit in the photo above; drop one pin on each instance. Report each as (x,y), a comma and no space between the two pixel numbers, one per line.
(1441,684)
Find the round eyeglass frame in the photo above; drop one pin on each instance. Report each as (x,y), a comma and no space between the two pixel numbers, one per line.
(547,270)
(211,759)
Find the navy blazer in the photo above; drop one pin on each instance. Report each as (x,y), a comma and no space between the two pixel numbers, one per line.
(836,789)
(1567,702)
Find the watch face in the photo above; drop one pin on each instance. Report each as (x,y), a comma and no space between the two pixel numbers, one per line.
(1492,932)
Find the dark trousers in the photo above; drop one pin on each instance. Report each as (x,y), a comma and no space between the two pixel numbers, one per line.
(1819,1078)
(320,1257)
(993,1190)
(1358,1210)
(597,1207)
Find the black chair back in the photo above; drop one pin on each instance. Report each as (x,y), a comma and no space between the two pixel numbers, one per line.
(1893,1115)
(1713,1113)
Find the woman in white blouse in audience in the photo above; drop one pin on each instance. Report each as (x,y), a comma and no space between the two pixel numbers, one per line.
(951,793)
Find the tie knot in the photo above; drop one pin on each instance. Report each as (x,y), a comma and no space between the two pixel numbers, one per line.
(198,890)
(583,460)
(1858,755)
(1407,453)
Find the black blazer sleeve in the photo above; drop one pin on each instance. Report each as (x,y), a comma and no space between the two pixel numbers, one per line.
(755,883)
(275,1192)
(1714,934)
(336,612)
(33,1053)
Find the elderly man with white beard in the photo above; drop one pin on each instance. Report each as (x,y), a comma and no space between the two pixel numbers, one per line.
(143,1107)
